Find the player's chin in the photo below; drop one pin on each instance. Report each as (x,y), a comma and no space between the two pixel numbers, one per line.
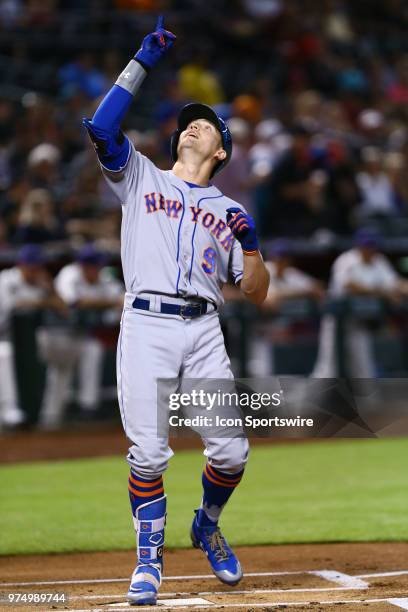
(188,145)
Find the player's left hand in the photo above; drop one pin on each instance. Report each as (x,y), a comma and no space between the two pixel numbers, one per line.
(243,228)
(155,45)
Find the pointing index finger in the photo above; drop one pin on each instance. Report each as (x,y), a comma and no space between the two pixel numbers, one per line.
(160,22)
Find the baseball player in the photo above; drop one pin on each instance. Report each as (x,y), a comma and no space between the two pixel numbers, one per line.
(85,286)
(181,238)
(286,283)
(23,288)
(360,271)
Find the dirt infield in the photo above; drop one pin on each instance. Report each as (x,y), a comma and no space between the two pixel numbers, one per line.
(82,440)
(89,440)
(349,577)
(302,577)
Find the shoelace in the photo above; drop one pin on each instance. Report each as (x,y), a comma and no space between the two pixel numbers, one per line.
(217,544)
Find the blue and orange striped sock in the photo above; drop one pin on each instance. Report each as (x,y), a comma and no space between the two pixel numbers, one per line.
(218,487)
(142,490)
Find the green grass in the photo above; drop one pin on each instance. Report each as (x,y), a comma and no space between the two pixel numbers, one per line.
(320,492)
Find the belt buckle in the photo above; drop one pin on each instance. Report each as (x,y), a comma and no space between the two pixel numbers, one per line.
(184,307)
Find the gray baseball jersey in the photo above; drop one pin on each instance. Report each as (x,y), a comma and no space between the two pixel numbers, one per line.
(175,240)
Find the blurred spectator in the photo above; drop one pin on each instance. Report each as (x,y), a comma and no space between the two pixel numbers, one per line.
(308,109)
(234,181)
(85,204)
(361,272)
(338,25)
(200,83)
(286,283)
(42,157)
(83,74)
(296,190)
(43,166)
(68,117)
(36,127)
(351,78)
(10,13)
(371,124)
(95,296)
(156,143)
(395,167)
(23,288)
(377,193)
(37,221)
(342,195)
(247,107)
(398,89)
(270,142)
(263,9)
(337,126)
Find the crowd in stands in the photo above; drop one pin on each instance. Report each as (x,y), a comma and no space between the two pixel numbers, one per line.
(315,94)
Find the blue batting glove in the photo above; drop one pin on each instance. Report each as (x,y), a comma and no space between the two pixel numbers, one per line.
(155,45)
(243,228)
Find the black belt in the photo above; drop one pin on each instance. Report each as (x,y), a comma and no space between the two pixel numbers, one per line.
(186,311)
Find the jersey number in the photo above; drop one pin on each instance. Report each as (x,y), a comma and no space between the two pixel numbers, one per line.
(209,260)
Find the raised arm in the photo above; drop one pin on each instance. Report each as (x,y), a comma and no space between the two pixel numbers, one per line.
(111,145)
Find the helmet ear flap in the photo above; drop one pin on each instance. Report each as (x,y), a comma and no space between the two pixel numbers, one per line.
(174,144)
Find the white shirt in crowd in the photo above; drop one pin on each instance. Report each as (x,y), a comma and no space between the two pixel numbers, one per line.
(377,194)
(377,274)
(71,285)
(292,278)
(13,290)
(350,267)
